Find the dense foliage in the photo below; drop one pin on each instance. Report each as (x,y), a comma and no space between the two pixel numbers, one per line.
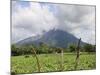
(89,48)
(42,49)
(72,47)
(45,49)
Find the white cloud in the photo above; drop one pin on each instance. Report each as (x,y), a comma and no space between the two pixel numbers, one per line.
(33,19)
(78,20)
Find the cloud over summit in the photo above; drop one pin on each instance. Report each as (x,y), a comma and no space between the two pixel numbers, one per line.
(31,18)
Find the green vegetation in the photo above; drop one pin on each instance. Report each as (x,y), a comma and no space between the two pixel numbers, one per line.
(51,62)
(72,47)
(89,48)
(42,58)
(45,49)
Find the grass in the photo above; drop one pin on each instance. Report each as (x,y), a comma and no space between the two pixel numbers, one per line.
(51,62)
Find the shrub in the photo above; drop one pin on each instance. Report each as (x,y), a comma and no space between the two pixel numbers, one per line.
(89,48)
(26,56)
(72,47)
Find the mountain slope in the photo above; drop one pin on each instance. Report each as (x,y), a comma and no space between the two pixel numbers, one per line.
(56,38)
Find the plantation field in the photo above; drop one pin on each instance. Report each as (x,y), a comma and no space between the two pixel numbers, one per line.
(51,62)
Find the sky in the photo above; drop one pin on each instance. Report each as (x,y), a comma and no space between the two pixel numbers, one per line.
(32,18)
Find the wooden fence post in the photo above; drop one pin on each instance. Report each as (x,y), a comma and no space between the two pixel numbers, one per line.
(38,64)
(78,54)
(62,59)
